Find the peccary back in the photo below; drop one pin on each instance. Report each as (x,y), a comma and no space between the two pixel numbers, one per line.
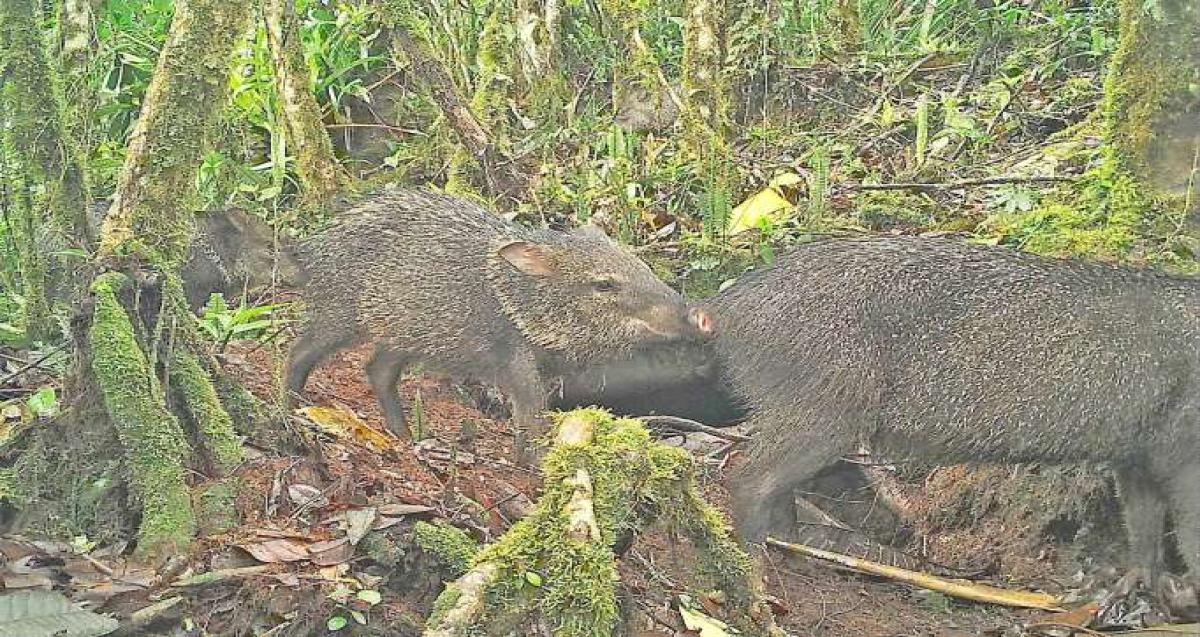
(433,278)
(954,353)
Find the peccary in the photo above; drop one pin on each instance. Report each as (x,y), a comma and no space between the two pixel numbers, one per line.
(676,379)
(432,278)
(958,353)
(232,252)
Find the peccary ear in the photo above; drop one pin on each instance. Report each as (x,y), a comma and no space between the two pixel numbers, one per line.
(530,258)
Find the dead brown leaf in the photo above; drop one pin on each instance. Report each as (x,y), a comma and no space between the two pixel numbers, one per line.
(273,551)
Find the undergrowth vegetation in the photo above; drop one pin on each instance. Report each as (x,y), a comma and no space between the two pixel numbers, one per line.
(844,116)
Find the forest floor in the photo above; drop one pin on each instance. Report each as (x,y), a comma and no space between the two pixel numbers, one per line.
(290,567)
(303,554)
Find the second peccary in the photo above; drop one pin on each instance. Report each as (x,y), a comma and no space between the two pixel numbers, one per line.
(674,379)
(955,353)
(232,252)
(436,279)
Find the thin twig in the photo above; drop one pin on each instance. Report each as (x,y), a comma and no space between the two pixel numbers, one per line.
(683,424)
(962,183)
(28,366)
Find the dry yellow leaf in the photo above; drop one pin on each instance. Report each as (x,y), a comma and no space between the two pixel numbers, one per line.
(345,424)
(766,204)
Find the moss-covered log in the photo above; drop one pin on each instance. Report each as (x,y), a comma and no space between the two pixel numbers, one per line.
(605,479)
(154,443)
(34,137)
(316,165)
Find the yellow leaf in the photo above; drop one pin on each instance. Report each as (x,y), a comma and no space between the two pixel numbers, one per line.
(695,620)
(766,204)
(344,424)
(785,179)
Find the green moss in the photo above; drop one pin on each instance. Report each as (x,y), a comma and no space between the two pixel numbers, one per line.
(8,487)
(216,506)
(453,547)
(154,443)
(214,426)
(886,209)
(635,480)
(444,602)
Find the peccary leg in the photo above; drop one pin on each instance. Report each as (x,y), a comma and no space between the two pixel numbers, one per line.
(528,396)
(761,491)
(384,370)
(1145,511)
(307,352)
(1183,489)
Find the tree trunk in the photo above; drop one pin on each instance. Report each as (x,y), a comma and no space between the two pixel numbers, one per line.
(706,110)
(147,234)
(499,173)
(316,165)
(34,138)
(1152,107)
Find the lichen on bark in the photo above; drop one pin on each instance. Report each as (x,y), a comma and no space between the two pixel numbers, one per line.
(316,165)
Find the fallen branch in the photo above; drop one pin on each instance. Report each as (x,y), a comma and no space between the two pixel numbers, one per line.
(683,424)
(224,575)
(974,592)
(962,183)
(471,587)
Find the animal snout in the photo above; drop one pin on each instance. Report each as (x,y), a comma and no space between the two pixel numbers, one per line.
(702,321)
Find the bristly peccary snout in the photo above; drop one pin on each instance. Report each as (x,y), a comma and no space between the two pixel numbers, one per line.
(432,278)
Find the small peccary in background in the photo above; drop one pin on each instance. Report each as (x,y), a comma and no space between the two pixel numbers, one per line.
(954,353)
(232,252)
(436,279)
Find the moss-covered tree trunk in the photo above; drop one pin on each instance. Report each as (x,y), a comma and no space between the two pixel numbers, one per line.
(706,109)
(144,241)
(1152,104)
(76,50)
(316,165)
(34,138)
(474,120)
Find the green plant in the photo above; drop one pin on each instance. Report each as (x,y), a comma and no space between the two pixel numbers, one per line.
(224,324)
(353,604)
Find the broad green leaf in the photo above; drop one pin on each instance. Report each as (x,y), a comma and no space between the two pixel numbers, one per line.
(336,623)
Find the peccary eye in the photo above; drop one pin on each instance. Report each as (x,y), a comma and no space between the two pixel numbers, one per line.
(604,285)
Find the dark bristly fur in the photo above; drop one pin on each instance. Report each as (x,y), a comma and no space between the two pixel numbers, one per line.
(232,252)
(436,279)
(958,353)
